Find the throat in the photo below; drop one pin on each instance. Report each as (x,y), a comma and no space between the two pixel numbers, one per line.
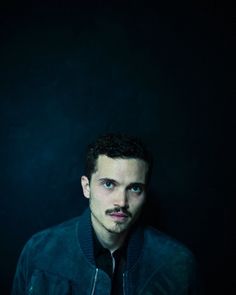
(108,239)
(111,241)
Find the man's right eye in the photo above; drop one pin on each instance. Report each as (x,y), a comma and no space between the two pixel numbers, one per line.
(108,184)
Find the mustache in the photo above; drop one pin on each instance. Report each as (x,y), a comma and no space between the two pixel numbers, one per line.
(118,210)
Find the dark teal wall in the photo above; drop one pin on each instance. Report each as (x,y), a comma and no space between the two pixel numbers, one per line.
(69,73)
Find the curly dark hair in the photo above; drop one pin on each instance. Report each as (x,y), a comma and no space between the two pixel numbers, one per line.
(116,145)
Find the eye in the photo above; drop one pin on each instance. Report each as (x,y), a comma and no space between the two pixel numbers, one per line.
(108,184)
(136,189)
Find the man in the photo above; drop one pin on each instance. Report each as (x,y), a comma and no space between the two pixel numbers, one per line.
(106,250)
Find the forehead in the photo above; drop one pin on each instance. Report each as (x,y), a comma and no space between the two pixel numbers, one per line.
(121,170)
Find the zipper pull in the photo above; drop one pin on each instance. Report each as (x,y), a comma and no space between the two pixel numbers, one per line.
(30,290)
(94,281)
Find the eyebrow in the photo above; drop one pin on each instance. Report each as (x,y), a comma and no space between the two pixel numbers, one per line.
(116,182)
(108,179)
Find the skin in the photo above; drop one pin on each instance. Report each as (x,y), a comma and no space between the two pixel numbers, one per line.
(116,193)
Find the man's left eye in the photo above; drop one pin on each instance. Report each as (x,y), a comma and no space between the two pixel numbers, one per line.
(136,189)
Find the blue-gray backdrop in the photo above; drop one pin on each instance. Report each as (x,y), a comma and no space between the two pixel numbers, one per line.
(69,72)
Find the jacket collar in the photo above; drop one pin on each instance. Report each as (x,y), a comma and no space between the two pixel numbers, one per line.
(85,236)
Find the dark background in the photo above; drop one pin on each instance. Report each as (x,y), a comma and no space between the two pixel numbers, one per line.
(69,72)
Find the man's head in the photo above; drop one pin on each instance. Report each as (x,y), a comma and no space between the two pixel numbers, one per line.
(118,167)
(116,145)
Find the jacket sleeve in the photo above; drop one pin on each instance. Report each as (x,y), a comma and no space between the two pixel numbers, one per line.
(22,271)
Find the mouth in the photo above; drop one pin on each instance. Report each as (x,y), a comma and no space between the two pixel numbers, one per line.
(118,216)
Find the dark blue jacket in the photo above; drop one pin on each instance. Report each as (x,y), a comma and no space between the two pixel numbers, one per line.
(60,261)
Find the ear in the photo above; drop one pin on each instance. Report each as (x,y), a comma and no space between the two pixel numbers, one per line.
(85,186)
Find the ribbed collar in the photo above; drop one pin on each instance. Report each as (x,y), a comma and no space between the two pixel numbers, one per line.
(100,250)
(85,235)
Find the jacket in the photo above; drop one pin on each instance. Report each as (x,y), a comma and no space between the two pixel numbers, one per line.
(60,261)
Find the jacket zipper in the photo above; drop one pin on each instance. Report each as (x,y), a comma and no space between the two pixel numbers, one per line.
(30,290)
(124,284)
(94,281)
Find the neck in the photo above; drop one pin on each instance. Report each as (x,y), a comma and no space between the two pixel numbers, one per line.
(109,240)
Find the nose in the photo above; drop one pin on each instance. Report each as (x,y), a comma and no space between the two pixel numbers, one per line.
(121,199)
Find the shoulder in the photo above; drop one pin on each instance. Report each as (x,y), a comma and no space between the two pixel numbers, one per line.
(166,264)
(57,231)
(53,237)
(162,247)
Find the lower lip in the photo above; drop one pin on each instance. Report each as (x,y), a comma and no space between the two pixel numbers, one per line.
(118,217)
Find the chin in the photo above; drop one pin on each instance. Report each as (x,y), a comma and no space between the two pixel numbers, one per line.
(118,228)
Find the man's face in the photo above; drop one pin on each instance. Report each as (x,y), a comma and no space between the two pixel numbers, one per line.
(116,193)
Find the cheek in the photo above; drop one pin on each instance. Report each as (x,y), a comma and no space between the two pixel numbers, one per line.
(98,198)
(95,192)
(137,203)
(98,191)
(102,195)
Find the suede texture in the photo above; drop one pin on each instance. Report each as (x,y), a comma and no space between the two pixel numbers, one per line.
(60,261)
